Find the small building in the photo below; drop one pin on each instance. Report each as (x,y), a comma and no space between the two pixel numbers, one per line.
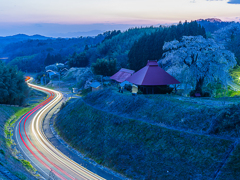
(96,86)
(152,79)
(122,75)
(60,65)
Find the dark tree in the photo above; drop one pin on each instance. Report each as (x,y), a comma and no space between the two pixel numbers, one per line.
(13,89)
(149,47)
(104,67)
(78,60)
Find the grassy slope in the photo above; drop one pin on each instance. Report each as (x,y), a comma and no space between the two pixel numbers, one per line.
(161,109)
(141,150)
(8,116)
(14,165)
(231,170)
(216,116)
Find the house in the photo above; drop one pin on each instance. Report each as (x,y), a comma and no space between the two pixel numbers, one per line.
(53,75)
(122,75)
(152,79)
(96,86)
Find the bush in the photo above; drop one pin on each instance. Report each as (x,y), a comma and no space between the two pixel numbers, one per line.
(203,94)
(192,93)
(206,94)
(139,92)
(164,90)
(84,92)
(2,151)
(128,87)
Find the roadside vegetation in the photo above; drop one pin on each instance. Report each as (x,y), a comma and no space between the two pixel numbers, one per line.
(9,155)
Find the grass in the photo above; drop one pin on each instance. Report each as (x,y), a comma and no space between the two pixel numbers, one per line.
(28,165)
(166,110)
(12,120)
(231,170)
(217,116)
(228,123)
(137,149)
(10,116)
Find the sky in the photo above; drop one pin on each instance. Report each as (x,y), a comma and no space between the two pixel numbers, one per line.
(59,17)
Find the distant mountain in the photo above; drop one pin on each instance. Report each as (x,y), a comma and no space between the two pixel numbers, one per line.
(213,24)
(19,37)
(24,37)
(78,34)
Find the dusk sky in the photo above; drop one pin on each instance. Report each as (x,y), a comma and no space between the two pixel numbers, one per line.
(63,16)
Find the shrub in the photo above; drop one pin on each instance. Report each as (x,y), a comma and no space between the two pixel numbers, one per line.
(206,94)
(2,151)
(128,87)
(164,90)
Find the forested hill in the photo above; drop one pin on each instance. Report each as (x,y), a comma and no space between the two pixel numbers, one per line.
(29,55)
(213,24)
(131,48)
(19,37)
(32,55)
(150,47)
(117,45)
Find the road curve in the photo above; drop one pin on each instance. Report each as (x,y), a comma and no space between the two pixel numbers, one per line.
(48,160)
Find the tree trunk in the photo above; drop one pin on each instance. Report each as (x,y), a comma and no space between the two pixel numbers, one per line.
(199,85)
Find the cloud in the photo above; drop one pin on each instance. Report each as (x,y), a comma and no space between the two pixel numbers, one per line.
(234,2)
(229,2)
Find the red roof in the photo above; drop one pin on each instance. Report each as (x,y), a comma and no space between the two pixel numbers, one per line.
(152,75)
(122,75)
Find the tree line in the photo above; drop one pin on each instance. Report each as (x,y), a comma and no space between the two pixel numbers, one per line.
(150,47)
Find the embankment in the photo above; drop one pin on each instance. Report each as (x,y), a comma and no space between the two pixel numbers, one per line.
(116,138)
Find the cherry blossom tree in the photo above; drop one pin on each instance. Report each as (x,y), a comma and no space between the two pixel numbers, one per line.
(198,61)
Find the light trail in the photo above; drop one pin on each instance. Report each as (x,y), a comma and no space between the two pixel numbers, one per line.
(40,151)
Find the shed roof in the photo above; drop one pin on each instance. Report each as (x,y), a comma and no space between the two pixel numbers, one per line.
(122,75)
(95,84)
(152,75)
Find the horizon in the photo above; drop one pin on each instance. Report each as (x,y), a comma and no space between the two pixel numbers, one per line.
(58,18)
(73,30)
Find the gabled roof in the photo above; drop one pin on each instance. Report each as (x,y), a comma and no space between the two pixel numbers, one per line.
(122,75)
(152,75)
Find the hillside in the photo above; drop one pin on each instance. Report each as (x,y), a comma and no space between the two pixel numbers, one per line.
(25,52)
(19,37)
(12,163)
(213,24)
(154,137)
(7,161)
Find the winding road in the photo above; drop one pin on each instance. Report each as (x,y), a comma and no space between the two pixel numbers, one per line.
(50,162)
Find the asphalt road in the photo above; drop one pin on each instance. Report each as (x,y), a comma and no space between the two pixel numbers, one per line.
(49,159)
